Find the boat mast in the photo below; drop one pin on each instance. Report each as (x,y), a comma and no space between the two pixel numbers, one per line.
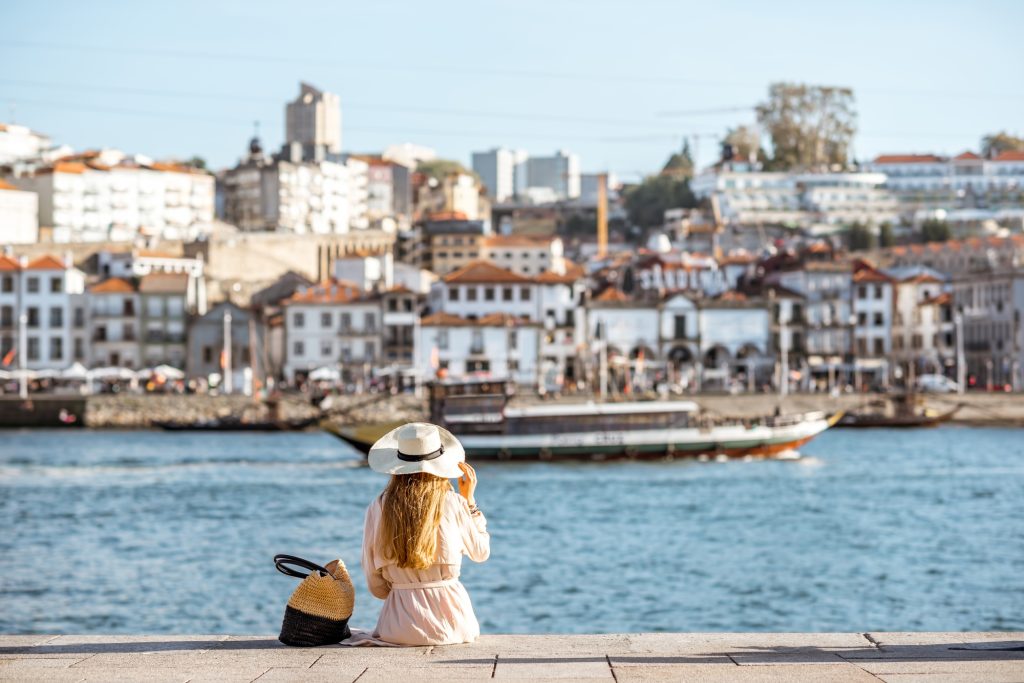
(22,343)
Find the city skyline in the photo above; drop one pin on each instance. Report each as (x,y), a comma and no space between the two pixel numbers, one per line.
(622,110)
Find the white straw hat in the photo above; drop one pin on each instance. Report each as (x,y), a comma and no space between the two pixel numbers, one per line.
(418,447)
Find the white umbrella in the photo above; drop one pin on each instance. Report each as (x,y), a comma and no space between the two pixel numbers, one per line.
(75,371)
(325,374)
(165,371)
(111,373)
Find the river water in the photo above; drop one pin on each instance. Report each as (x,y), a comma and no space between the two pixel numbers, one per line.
(150,532)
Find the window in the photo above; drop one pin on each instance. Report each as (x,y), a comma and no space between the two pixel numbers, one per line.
(442,339)
(488,293)
(453,294)
(407,305)
(513,340)
(155,306)
(56,285)
(392,305)
(862,292)
(371,350)
(477,345)
(299,319)
(33,285)
(56,316)
(862,318)
(79,348)
(369,322)
(878,291)
(33,316)
(33,348)
(680,327)
(7,316)
(878,319)
(471,294)
(299,348)
(346,321)
(325,348)
(524,293)
(56,348)
(8,283)
(207,355)
(879,347)
(325,320)
(506,294)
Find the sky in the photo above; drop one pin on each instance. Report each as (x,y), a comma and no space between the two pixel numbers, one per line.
(621,84)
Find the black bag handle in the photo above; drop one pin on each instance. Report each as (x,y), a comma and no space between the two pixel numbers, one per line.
(282,562)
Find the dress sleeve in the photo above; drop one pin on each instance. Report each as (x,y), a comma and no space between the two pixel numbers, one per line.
(375,580)
(476,542)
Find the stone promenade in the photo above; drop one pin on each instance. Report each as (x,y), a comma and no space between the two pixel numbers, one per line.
(712,657)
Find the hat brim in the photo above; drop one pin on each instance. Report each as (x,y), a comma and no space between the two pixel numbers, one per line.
(383,457)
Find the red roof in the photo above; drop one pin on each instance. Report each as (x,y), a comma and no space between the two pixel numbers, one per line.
(6,186)
(440,216)
(114,285)
(967,156)
(922,278)
(8,263)
(908,159)
(612,294)
(868,274)
(1010,155)
(443,319)
(46,262)
(328,292)
(483,272)
(573,272)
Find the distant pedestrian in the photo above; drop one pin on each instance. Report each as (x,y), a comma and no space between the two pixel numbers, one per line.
(416,533)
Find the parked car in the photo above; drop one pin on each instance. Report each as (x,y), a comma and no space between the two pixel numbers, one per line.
(937,384)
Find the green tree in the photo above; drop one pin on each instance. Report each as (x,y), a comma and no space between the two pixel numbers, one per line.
(996,143)
(861,237)
(440,168)
(810,126)
(646,203)
(196,162)
(680,164)
(885,235)
(935,230)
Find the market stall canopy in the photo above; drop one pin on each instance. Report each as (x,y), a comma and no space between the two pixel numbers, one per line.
(325,374)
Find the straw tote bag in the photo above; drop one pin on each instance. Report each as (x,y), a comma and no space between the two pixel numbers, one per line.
(319,609)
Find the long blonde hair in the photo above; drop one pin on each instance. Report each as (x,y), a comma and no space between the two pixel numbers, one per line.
(411,514)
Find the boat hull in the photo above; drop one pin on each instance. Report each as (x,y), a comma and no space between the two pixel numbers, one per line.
(735,441)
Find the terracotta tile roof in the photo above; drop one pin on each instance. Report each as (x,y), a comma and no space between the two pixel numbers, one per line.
(518,241)
(443,319)
(921,278)
(941,299)
(481,271)
(737,259)
(573,272)
(908,159)
(440,216)
(870,275)
(164,283)
(8,263)
(4,185)
(151,253)
(174,167)
(328,292)
(966,156)
(731,295)
(114,285)
(46,262)
(1010,155)
(613,294)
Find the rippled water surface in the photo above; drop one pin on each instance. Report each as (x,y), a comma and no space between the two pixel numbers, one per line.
(132,532)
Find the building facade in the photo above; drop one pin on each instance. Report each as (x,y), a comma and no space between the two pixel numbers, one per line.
(19,215)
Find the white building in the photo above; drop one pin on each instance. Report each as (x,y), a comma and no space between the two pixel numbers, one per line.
(114,324)
(497,345)
(992,309)
(920,343)
(807,199)
(873,299)
(313,121)
(109,196)
(40,312)
(334,324)
(139,263)
(559,173)
(928,173)
(19,215)
(482,288)
(502,172)
(19,143)
(525,254)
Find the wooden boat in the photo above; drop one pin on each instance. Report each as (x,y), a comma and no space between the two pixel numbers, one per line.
(477,412)
(904,410)
(234,424)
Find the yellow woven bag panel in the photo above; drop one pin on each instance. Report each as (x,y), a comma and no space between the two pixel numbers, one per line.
(324,596)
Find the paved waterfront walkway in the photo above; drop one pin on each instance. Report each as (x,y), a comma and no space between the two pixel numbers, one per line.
(711,657)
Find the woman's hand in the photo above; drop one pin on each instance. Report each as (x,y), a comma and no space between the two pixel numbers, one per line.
(467,482)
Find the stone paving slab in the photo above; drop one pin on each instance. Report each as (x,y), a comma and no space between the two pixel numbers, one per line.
(620,658)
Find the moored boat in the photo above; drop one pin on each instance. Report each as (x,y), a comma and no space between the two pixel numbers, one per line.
(901,411)
(234,424)
(479,414)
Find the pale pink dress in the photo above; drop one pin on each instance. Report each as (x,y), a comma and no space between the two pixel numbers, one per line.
(427,606)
